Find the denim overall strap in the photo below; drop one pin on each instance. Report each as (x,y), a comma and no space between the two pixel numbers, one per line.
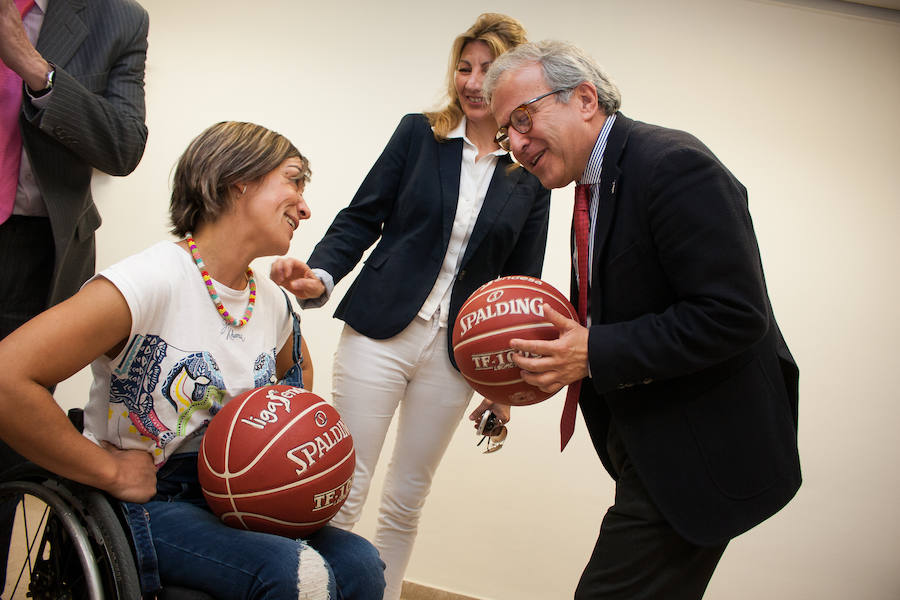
(294,375)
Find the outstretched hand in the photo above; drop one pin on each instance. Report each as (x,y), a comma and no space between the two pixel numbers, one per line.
(295,276)
(550,365)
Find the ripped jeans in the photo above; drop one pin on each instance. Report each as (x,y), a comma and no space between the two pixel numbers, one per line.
(179,541)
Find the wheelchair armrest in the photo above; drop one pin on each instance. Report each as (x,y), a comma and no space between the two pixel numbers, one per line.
(76,416)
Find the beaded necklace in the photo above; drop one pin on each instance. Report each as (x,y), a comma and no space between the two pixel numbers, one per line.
(212,290)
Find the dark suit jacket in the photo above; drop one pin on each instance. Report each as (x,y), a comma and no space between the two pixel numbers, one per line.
(95,120)
(685,353)
(409,199)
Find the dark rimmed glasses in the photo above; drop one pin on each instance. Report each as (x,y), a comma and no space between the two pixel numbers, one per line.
(520,119)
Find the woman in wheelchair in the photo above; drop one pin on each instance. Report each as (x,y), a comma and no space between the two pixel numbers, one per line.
(171,334)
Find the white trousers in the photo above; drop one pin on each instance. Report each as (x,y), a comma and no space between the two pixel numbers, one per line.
(372,378)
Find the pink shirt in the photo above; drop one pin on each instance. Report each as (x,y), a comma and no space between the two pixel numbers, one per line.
(28,197)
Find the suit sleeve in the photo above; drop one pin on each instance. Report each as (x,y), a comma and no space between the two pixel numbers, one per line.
(706,278)
(359,225)
(101,119)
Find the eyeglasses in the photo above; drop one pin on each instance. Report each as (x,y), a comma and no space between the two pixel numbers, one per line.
(520,119)
(492,429)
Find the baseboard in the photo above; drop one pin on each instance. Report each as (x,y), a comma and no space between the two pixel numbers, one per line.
(417,591)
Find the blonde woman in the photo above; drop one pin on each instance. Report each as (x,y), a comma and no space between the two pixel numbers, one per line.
(448,214)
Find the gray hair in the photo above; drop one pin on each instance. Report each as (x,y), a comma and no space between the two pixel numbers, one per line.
(564,65)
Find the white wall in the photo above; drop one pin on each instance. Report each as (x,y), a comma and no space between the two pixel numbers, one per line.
(801,103)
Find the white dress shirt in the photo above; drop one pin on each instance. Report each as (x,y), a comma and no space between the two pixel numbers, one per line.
(475,177)
(474,180)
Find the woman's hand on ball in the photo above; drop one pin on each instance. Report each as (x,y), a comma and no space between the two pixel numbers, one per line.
(550,365)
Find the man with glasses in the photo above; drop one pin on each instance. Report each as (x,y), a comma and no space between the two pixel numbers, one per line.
(684,380)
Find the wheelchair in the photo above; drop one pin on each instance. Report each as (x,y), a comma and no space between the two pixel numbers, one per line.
(70,542)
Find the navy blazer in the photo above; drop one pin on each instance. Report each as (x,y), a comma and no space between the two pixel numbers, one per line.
(409,200)
(685,355)
(94,120)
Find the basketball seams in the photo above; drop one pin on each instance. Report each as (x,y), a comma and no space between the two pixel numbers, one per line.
(226,480)
(327,450)
(564,307)
(275,438)
(227,473)
(350,456)
(505,308)
(505,382)
(496,332)
(518,285)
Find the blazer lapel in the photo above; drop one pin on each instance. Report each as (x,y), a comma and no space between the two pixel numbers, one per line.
(450,167)
(606,208)
(63,31)
(495,200)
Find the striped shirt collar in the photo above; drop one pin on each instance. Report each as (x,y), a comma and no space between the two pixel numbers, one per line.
(591,173)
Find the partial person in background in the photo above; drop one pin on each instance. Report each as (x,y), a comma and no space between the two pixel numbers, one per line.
(172,334)
(71,101)
(685,382)
(448,214)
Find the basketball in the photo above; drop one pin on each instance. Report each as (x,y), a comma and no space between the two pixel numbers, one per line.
(276,459)
(500,310)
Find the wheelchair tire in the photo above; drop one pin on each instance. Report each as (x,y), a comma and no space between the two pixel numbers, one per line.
(77,547)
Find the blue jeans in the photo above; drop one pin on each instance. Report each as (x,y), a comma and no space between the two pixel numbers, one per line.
(179,541)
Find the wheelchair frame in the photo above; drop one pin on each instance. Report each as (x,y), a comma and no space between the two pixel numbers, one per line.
(76,545)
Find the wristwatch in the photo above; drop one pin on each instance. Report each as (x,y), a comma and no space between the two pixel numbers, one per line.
(49,86)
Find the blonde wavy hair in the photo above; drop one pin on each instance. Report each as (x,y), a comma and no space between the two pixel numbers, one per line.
(500,33)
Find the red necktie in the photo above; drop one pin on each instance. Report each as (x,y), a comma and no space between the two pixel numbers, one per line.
(581,225)
(10,137)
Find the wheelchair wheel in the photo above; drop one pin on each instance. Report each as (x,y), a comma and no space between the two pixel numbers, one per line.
(68,543)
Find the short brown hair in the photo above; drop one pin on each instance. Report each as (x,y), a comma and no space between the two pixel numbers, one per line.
(226,153)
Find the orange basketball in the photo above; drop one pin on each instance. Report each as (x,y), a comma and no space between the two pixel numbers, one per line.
(276,459)
(502,309)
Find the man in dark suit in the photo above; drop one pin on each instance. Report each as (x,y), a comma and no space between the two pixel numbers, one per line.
(684,380)
(76,104)
(82,109)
